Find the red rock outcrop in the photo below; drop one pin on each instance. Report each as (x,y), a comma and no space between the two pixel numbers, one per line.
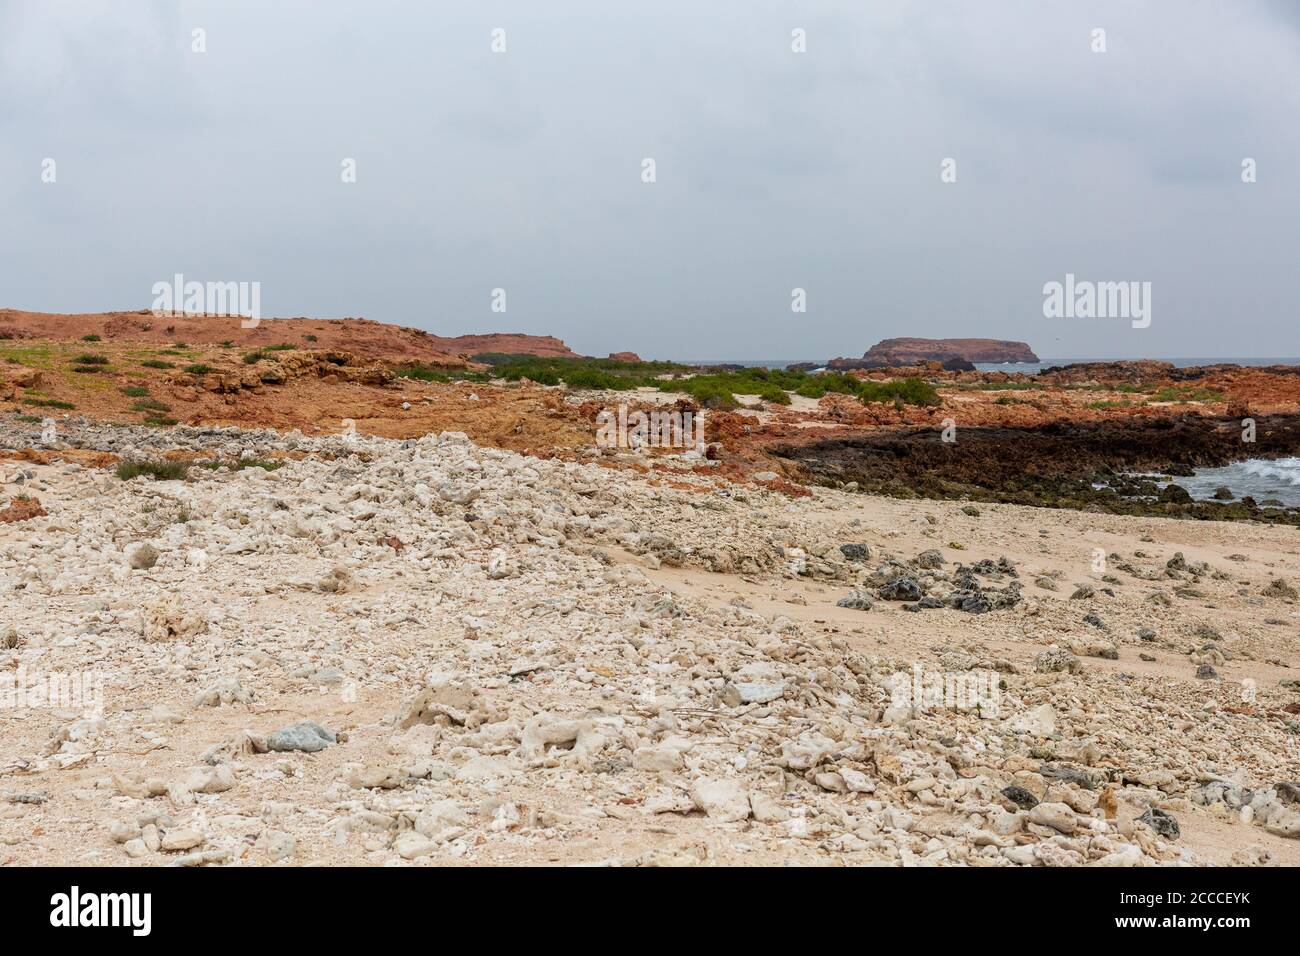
(367,337)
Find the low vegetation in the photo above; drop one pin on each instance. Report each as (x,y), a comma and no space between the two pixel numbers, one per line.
(714,387)
(150,405)
(1180,393)
(156,469)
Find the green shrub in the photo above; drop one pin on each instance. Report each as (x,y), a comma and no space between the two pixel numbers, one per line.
(135,391)
(158,470)
(910,391)
(198,369)
(157,363)
(92,337)
(774,394)
(710,392)
(150,405)
(595,378)
(89,359)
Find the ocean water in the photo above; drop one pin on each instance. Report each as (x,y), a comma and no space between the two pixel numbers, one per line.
(1028,368)
(1033,368)
(1260,478)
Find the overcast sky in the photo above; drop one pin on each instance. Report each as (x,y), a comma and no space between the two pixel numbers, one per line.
(774,169)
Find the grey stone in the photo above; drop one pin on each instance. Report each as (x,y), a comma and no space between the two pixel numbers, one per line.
(306,736)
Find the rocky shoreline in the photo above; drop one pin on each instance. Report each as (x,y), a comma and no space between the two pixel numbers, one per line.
(1084,465)
(404,652)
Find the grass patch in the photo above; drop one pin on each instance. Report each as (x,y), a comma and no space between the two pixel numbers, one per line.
(92,337)
(157,363)
(91,359)
(157,470)
(135,391)
(150,405)
(48,403)
(35,356)
(159,421)
(431,373)
(1176,393)
(198,369)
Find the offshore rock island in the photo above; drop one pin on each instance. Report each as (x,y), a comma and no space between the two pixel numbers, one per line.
(955,352)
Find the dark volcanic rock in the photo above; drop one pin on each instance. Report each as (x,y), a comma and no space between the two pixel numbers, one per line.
(901,589)
(857,601)
(1020,797)
(855,552)
(1087,465)
(1175,493)
(1163,822)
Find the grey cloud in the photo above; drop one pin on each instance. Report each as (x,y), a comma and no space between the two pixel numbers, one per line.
(775,170)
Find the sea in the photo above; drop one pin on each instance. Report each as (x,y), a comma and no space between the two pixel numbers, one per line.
(1262,479)
(1028,368)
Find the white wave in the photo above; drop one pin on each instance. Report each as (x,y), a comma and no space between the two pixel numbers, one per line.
(1282,469)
